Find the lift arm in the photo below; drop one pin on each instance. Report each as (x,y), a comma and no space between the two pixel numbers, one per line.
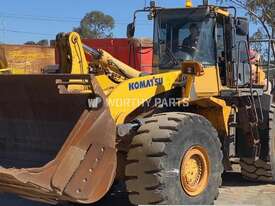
(72,57)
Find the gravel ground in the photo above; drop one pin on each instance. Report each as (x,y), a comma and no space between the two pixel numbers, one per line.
(235,191)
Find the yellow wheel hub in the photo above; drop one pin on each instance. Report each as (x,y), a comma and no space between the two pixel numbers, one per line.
(194,171)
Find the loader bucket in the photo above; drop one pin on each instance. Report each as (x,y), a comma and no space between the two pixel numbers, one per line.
(62,149)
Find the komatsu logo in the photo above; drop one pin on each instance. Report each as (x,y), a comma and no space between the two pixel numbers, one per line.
(146,83)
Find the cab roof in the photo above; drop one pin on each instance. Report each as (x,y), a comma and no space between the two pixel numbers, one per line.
(210,8)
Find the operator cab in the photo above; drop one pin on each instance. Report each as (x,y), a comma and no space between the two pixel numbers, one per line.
(183,34)
(207,35)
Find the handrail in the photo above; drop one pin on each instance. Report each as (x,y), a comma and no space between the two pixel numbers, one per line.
(270,42)
(238,65)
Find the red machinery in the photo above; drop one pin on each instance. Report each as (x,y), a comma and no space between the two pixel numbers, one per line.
(137,53)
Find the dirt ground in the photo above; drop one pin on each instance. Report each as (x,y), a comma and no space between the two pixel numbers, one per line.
(235,191)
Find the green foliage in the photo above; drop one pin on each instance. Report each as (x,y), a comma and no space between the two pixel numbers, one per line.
(265,9)
(261,48)
(43,42)
(96,24)
(30,43)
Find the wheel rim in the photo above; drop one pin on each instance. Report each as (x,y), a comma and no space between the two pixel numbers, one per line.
(194,171)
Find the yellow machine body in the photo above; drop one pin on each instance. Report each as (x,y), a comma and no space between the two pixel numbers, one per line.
(132,91)
(85,167)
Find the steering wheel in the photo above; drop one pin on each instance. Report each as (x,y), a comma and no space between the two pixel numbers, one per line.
(190,50)
(166,61)
(171,55)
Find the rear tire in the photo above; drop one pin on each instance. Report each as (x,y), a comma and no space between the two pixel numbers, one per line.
(155,173)
(262,170)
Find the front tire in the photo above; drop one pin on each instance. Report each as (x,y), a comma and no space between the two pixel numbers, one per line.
(175,158)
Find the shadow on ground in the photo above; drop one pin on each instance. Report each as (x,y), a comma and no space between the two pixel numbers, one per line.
(235,179)
(118,196)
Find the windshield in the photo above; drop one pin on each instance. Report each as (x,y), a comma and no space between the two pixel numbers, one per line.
(182,35)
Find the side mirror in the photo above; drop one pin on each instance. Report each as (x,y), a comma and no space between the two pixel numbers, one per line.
(242,26)
(131,28)
(152,4)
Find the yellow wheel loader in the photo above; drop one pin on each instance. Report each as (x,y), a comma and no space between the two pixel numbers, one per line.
(67,134)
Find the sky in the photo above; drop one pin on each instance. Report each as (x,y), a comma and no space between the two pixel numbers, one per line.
(33,20)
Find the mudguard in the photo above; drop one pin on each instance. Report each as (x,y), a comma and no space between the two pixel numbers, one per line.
(41,120)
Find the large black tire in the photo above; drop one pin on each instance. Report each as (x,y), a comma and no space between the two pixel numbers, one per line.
(156,153)
(262,170)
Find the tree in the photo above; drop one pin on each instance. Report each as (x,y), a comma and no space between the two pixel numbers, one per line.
(258,46)
(43,42)
(30,43)
(265,9)
(96,24)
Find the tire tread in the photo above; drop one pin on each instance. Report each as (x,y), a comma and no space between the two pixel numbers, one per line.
(165,124)
(259,170)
